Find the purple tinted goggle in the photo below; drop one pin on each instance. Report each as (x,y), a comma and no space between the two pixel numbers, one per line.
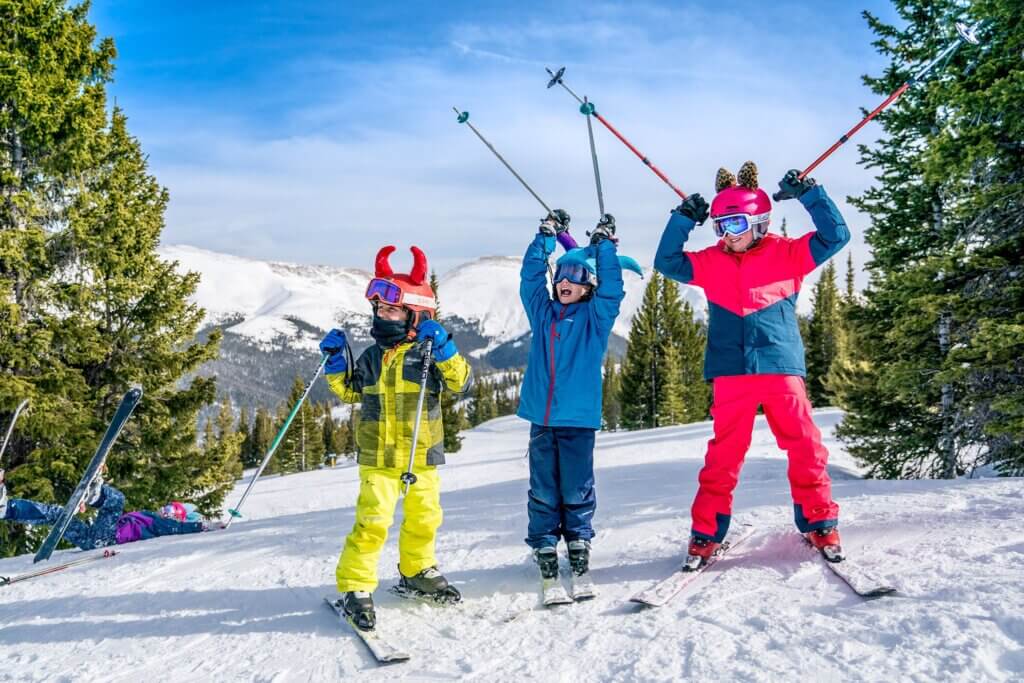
(382,290)
(738,223)
(574,273)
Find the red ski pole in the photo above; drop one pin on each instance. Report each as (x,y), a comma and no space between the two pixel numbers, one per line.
(965,34)
(587,108)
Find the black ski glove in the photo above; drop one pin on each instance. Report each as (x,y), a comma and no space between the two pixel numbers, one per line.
(791,186)
(555,223)
(605,230)
(695,208)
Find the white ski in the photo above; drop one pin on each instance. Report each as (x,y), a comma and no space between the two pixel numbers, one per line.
(385,652)
(583,587)
(862,581)
(554,593)
(660,593)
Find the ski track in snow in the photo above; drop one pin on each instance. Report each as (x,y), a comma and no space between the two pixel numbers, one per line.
(246,603)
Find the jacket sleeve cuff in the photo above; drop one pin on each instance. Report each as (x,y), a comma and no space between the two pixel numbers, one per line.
(445,351)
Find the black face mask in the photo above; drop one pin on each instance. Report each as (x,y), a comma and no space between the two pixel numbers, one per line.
(388,333)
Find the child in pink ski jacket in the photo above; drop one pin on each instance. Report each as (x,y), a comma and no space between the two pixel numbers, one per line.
(754,355)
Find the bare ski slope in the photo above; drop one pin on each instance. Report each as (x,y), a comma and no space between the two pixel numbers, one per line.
(246,604)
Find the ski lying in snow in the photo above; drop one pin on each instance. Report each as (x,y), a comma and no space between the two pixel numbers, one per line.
(583,587)
(861,580)
(660,593)
(8,580)
(383,651)
(554,593)
(124,411)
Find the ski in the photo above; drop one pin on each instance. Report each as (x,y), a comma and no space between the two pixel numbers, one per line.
(124,411)
(383,651)
(10,428)
(660,593)
(428,598)
(554,593)
(8,580)
(861,581)
(583,587)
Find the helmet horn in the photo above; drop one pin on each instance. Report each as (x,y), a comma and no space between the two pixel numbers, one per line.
(382,266)
(419,266)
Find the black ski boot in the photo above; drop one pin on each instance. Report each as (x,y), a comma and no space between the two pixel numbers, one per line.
(429,583)
(547,559)
(359,606)
(579,556)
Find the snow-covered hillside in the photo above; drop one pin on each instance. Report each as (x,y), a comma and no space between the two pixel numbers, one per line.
(246,604)
(272,299)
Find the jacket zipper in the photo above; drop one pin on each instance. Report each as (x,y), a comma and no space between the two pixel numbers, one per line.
(551,378)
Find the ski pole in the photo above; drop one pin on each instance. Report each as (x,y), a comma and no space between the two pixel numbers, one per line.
(593,157)
(564,238)
(234,512)
(10,427)
(965,34)
(408,478)
(8,580)
(588,108)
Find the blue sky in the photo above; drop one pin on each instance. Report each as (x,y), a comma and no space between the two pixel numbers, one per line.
(316,132)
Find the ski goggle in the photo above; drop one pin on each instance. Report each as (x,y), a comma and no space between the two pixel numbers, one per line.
(738,223)
(383,290)
(574,273)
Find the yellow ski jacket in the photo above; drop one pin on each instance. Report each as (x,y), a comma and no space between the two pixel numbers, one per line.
(387,383)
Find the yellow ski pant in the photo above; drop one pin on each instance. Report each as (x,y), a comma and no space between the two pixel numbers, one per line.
(379,490)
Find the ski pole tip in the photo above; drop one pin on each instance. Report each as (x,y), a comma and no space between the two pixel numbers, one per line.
(463,116)
(967,33)
(556,77)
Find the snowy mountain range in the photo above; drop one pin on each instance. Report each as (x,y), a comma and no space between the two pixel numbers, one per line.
(273,314)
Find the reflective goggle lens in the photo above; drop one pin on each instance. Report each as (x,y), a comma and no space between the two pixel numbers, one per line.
(734,225)
(574,273)
(382,290)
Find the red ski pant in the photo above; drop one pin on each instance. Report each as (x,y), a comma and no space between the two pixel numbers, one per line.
(788,412)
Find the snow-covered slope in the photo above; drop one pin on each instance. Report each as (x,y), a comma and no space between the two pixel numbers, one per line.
(246,604)
(272,299)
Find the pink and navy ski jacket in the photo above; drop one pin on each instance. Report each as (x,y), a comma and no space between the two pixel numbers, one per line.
(562,384)
(752,322)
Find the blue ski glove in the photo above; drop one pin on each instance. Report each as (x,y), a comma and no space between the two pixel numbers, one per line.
(444,347)
(791,186)
(334,346)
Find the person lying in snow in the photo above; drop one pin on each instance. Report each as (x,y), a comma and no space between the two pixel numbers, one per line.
(112,526)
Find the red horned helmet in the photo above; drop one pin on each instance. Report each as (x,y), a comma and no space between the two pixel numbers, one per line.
(411,291)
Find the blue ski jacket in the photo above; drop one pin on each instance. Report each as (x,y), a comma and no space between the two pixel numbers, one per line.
(562,384)
(752,322)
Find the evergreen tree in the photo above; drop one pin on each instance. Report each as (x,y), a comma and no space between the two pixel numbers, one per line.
(851,291)
(222,445)
(825,335)
(483,407)
(782,228)
(302,447)
(671,410)
(611,386)
(934,378)
(245,430)
(691,340)
(639,367)
(262,436)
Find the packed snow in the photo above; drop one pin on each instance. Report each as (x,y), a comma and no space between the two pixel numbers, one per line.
(247,603)
(264,299)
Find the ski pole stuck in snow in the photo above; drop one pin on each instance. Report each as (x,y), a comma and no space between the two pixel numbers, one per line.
(587,108)
(408,478)
(235,511)
(564,238)
(965,34)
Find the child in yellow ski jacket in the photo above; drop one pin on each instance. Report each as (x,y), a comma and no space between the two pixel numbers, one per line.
(386,381)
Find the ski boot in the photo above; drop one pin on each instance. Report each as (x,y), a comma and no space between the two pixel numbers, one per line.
(700,551)
(429,583)
(826,541)
(579,556)
(3,496)
(358,606)
(547,559)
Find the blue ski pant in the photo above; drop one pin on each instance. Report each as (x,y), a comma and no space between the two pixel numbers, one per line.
(102,531)
(562,499)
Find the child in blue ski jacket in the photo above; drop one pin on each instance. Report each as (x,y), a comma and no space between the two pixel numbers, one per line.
(561,393)
(112,525)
